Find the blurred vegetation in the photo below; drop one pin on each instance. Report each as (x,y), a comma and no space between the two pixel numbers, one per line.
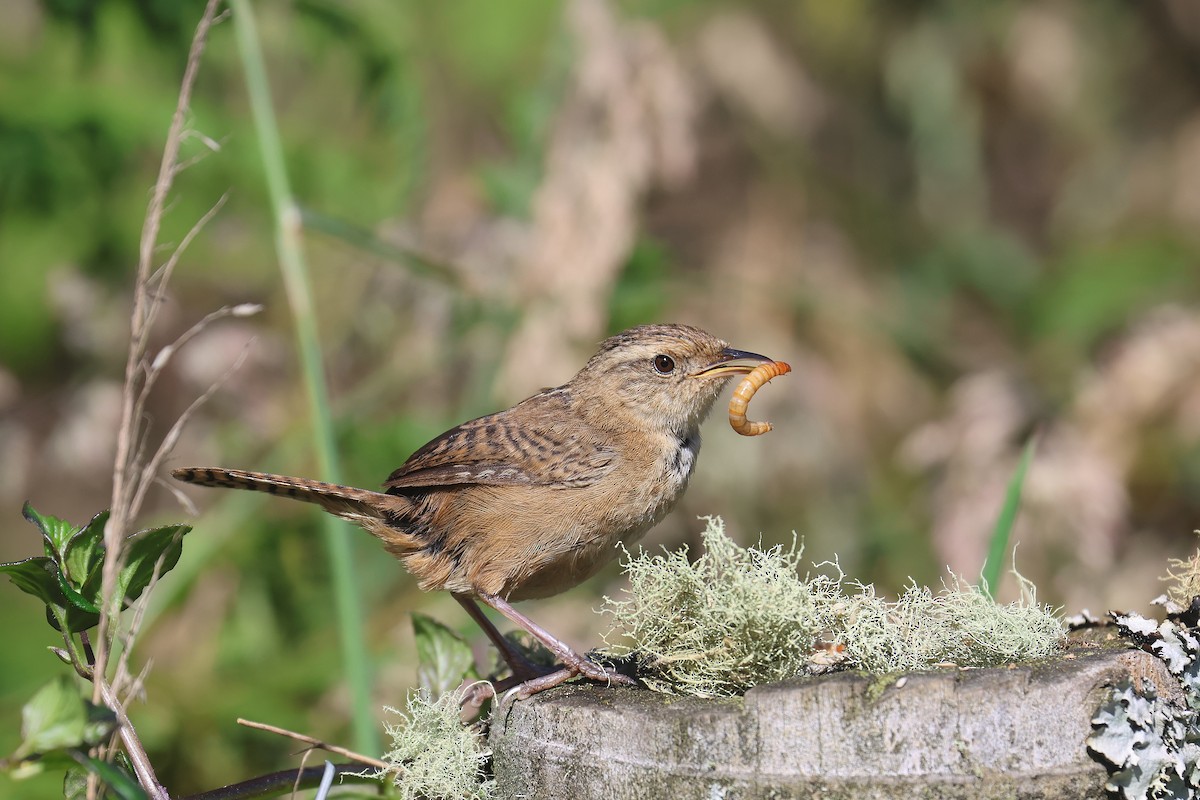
(960,224)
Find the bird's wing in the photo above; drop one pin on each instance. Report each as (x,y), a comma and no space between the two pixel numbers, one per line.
(534,443)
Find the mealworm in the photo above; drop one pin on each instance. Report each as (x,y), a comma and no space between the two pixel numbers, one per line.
(745,390)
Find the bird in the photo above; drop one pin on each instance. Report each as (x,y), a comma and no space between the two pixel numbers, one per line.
(531,501)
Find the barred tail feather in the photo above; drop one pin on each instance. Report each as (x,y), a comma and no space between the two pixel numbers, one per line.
(358,505)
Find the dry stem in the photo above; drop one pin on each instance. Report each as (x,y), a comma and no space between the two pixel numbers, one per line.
(317,743)
(129,478)
(125,467)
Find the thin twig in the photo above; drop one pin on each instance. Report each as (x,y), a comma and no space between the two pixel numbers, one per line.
(137,685)
(162,275)
(133,745)
(181,496)
(122,674)
(172,436)
(150,371)
(130,441)
(308,751)
(212,144)
(309,740)
(127,437)
(168,352)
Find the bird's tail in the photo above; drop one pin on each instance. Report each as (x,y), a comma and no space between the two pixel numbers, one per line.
(357,505)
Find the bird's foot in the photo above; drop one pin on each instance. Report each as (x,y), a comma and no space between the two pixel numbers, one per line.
(532,679)
(594,672)
(529,678)
(579,668)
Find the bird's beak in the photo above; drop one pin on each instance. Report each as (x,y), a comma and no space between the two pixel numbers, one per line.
(732,362)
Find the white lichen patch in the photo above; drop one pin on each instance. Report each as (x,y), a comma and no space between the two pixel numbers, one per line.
(961,625)
(733,618)
(434,755)
(1148,743)
(1184,577)
(737,617)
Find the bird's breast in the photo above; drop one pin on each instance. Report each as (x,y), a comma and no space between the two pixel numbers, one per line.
(684,459)
(651,486)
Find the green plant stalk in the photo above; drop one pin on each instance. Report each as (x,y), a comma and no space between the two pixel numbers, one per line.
(348,604)
(998,548)
(368,241)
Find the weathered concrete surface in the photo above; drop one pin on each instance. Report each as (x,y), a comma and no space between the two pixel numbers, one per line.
(996,733)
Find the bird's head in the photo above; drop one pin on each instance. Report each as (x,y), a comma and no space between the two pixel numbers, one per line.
(668,376)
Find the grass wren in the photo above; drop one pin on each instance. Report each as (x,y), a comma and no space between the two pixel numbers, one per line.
(529,502)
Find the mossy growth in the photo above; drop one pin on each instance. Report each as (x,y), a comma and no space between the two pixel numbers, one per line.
(737,617)
(960,625)
(434,755)
(1184,577)
(733,618)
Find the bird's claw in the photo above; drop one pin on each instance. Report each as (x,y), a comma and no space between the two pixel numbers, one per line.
(582,668)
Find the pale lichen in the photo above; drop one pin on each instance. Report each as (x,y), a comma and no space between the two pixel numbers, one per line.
(733,618)
(1147,741)
(960,625)
(737,617)
(434,756)
(1184,575)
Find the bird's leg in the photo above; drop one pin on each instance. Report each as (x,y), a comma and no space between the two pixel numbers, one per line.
(527,678)
(522,668)
(574,663)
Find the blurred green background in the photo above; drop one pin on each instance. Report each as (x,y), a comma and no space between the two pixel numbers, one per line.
(962,224)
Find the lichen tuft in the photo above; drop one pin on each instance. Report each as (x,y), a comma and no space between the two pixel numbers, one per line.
(961,625)
(435,756)
(734,618)
(1184,575)
(738,617)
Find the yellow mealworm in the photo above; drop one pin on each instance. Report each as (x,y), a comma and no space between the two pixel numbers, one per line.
(745,390)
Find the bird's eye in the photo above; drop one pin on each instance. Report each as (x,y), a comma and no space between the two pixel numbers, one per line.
(664,365)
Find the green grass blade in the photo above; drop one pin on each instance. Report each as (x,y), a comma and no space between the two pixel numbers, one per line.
(295,278)
(368,241)
(1008,517)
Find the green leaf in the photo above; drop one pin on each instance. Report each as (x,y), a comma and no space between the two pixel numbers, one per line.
(122,784)
(444,659)
(117,776)
(83,556)
(37,576)
(70,617)
(75,783)
(58,718)
(56,532)
(59,578)
(38,764)
(74,597)
(990,578)
(142,553)
(73,603)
